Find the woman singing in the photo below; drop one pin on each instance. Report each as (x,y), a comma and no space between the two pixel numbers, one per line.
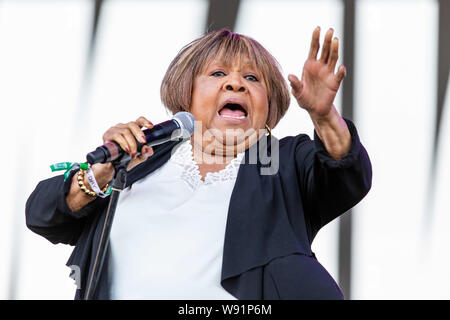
(215,216)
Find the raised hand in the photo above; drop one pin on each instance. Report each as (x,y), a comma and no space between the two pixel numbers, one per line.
(316,91)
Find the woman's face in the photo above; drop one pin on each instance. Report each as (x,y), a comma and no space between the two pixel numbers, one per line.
(230,101)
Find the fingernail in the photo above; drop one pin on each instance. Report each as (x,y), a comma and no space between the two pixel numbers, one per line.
(143,139)
(128,149)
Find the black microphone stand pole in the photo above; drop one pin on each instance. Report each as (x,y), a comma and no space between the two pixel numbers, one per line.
(118,184)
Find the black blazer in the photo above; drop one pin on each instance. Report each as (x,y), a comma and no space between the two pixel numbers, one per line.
(272,219)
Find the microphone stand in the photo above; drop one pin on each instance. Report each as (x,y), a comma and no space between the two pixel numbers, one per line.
(118,184)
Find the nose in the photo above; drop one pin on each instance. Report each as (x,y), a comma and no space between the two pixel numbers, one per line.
(234,83)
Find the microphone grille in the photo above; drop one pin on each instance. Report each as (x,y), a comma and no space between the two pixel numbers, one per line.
(186,121)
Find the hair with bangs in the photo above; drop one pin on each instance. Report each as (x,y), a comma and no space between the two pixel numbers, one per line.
(177,85)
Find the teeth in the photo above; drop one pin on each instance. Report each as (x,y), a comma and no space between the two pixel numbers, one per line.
(227,116)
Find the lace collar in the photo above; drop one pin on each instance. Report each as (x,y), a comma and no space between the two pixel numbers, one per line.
(184,157)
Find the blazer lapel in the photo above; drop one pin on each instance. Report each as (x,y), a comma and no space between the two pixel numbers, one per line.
(258,229)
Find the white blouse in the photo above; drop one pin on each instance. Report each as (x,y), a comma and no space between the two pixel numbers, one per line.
(168,232)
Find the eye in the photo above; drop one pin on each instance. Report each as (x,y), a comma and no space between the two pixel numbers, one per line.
(251,78)
(217,73)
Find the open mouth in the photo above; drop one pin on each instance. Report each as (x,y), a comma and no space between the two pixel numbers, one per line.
(233,111)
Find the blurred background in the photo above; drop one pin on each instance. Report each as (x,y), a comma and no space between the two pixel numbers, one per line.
(70,69)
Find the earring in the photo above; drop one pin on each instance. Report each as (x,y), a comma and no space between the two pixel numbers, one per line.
(268,130)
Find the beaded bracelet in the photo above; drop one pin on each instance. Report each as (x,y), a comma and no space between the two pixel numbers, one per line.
(84,188)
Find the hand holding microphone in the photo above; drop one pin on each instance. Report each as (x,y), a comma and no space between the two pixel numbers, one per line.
(129,138)
(125,137)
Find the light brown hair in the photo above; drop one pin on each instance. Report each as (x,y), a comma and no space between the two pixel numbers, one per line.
(177,85)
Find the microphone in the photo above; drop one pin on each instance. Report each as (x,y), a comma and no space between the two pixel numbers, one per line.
(182,125)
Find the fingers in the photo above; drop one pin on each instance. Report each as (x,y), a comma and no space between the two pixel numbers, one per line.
(146,152)
(315,45)
(296,84)
(136,135)
(127,134)
(333,54)
(330,50)
(144,122)
(326,46)
(117,134)
(342,72)
(137,131)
